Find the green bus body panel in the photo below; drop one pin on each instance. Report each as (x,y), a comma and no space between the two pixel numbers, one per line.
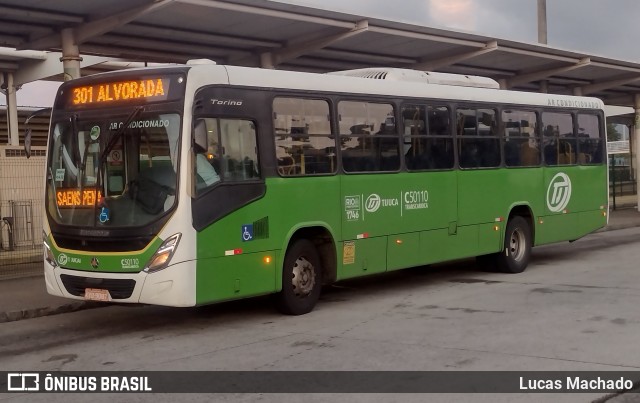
(408,203)
(557,228)
(487,194)
(382,222)
(231,277)
(465,242)
(108,262)
(432,246)
(590,221)
(403,250)
(369,258)
(489,239)
(583,213)
(289,203)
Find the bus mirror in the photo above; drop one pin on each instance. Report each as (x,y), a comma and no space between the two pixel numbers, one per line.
(27,133)
(200,136)
(27,143)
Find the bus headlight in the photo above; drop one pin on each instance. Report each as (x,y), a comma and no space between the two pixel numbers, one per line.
(48,255)
(163,255)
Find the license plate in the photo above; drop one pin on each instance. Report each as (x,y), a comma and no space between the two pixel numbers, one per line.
(95,294)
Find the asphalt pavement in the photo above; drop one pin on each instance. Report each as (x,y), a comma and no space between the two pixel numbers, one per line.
(24,298)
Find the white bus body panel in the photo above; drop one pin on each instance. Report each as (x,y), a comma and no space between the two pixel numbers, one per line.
(173,286)
(252,77)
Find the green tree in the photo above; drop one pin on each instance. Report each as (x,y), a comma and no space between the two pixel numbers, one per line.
(612,132)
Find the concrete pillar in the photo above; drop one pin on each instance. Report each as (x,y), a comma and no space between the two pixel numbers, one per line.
(542,21)
(12,111)
(503,83)
(544,86)
(70,55)
(266,60)
(577,91)
(636,139)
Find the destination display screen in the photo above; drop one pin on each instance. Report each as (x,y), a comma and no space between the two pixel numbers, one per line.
(70,197)
(155,89)
(121,91)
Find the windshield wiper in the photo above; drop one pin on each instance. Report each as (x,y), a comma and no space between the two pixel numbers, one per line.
(74,141)
(83,163)
(27,133)
(110,143)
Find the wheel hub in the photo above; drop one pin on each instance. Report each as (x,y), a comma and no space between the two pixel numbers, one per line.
(304,277)
(517,244)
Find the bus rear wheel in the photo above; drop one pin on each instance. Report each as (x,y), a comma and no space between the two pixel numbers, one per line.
(516,251)
(517,246)
(301,279)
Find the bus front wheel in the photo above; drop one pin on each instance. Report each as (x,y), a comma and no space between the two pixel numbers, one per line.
(517,246)
(301,279)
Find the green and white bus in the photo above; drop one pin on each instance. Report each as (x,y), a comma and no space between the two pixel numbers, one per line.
(190,185)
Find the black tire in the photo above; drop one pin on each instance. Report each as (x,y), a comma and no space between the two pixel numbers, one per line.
(301,279)
(516,254)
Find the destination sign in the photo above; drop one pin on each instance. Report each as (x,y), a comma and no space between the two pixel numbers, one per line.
(148,89)
(70,197)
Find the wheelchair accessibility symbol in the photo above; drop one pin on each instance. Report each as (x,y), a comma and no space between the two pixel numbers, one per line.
(104,215)
(247,232)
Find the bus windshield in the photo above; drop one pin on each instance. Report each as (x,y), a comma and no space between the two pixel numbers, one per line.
(116,171)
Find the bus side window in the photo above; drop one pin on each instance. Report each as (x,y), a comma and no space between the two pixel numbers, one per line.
(478,138)
(427,146)
(521,142)
(231,153)
(560,144)
(590,143)
(239,150)
(303,138)
(368,137)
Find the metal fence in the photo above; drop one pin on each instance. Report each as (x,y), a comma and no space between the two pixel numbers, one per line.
(622,182)
(21,212)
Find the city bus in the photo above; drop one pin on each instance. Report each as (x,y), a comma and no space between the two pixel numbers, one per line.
(196,184)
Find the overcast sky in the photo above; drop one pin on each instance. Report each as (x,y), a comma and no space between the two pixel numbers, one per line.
(600,27)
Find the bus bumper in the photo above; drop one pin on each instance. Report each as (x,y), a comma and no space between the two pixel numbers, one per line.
(173,286)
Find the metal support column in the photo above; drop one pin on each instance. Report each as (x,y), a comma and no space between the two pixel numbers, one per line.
(636,138)
(12,111)
(70,55)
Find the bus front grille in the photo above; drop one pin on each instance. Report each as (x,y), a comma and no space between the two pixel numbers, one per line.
(118,288)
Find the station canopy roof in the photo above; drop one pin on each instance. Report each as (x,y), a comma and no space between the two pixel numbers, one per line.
(271,34)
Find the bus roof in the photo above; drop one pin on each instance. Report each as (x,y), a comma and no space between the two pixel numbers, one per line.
(254,77)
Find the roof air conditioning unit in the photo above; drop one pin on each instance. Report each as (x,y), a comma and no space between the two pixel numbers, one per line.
(393,74)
